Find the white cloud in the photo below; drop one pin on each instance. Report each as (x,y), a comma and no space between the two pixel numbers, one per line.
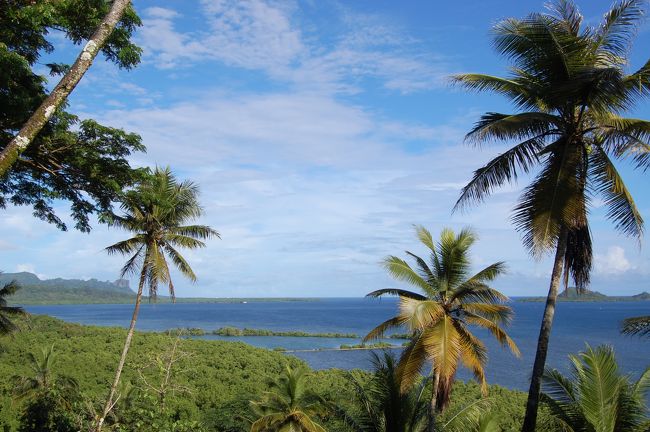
(263,35)
(26,268)
(613,262)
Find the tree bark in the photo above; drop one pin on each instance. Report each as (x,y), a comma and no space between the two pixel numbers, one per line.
(33,126)
(532,404)
(109,402)
(431,427)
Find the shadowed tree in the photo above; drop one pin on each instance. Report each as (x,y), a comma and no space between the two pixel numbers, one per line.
(288,406)
(597,398)
(570,86)
(156,211)
(8,312)
(383,406)
(438,319)
(48,397)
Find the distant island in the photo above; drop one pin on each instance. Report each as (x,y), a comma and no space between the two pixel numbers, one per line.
(571,295)
(36,291)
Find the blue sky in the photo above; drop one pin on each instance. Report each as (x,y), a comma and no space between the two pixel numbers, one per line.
(319,133)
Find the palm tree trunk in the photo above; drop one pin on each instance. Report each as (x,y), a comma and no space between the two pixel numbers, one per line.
(33,126)
(109,402)
(532,404)
(432,404)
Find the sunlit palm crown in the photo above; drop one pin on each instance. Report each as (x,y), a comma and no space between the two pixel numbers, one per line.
(288,406)
(157,211)
(597,398)
(451,300)
(570,83)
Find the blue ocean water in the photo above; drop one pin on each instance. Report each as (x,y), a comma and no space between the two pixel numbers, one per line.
(575,325)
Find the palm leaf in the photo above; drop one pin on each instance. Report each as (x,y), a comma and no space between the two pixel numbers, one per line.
(500,170)
(608,182)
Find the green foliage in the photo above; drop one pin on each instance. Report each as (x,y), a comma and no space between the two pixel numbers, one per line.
(218,375)
(597,397)
(218,379)
(84,163)
(48,397)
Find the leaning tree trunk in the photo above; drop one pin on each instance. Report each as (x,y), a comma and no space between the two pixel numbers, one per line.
(544,335)
(33,126)
(109,402)
(431,426)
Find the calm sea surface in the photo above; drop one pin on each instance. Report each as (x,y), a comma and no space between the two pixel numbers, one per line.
(575,324)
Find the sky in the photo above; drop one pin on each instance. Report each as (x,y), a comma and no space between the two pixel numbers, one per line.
(319,132)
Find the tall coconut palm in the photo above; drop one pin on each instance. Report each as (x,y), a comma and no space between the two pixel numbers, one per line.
(156,211)
(597,397)
(568,82)
(288,406)
(438,319)
(8,312)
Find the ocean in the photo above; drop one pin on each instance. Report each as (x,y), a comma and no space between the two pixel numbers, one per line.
(576,324)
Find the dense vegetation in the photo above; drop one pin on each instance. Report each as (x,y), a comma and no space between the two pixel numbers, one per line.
(213,381)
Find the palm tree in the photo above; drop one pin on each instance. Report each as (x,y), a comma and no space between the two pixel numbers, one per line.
(636,326)
(289,406)
(7,312)
(156,211)
(42,380)
(569,83)
(438,318)
(383,405)
(597,397)
(49,398)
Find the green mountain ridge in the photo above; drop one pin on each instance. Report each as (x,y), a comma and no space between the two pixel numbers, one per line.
(34,290)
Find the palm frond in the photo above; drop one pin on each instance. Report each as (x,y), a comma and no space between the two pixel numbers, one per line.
(379,331)
(396,292)
(608,182)
(499,334)
(554,200)
(578,257)
(400,270)
(411,362)
(614,36)
(526,126)
(639,326)
(500,170)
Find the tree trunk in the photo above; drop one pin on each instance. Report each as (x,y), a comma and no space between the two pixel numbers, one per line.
(532,404)
(432,404)
(109,402)
(33,126)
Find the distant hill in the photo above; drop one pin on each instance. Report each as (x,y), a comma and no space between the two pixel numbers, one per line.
(66,291)
(571,294)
